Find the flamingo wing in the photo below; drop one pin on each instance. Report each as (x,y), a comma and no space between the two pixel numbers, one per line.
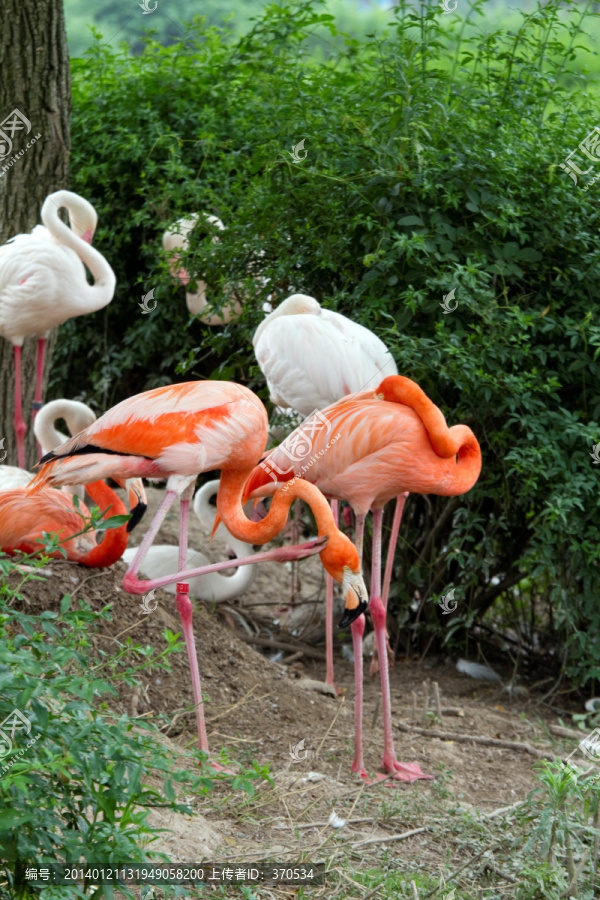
(178,429)
(37,278)
(309,361)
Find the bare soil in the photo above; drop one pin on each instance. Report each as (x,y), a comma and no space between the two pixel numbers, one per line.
(257,709)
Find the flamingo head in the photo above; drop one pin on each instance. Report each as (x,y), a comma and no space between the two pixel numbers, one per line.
(340,558)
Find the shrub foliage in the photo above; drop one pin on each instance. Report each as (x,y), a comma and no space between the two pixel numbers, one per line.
(432,164)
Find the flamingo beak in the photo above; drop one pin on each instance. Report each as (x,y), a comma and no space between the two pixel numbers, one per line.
(356,599)
(88,236)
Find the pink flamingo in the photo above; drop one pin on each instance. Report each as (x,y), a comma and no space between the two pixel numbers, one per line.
(177,432)
(377,445)
(311,357)
(43,283)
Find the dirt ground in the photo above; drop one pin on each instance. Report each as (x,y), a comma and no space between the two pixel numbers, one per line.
(258,709)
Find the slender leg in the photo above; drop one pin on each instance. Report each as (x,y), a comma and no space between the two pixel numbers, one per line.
(387,578)
(358,764)
(358,629)
(400,771)
(185,610)
(39,382)
(20,426)
(329,613)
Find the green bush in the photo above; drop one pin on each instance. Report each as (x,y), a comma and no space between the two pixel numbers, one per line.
(74,784)
(432,164)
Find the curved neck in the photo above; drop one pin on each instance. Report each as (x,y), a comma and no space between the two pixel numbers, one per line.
(94,296)
(205,514)
(114,543)
(339,551)
(77,416)
(446,442)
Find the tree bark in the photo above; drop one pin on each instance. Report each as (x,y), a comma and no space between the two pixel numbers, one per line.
(35,112)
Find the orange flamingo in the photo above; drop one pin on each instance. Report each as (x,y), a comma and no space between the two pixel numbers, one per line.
(177,432)
(366,449)
(25,516)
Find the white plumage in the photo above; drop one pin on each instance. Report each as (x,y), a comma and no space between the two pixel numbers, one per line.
(163,559)
(77,416)
(311,356)
(42,274)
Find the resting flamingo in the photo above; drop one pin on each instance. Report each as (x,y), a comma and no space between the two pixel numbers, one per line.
(378,444)
(43,283)
(177,432)
(212,587)
(25,517)
(311,357)
(77,415)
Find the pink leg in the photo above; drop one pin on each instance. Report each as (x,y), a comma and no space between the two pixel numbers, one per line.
(400,771)
(185,610)
(387,578)
(329,614)
(20,426)
(358,629)
(39,382)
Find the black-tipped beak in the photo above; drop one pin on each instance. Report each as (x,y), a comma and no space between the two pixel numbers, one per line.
(355,597)
(351,615)
(136,516)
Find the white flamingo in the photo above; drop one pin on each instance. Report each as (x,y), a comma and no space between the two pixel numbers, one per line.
(43,283)
(163,559)
(312,357)
(175,239)
(77,416)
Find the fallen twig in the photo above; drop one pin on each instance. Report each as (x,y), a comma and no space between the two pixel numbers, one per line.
(393,837)
(476,739)
(503,809)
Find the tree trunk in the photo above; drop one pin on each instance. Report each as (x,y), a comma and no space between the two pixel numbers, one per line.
(35,111)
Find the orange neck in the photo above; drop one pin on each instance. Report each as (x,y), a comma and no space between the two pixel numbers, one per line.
(446,442)
(339,551)
(114,543)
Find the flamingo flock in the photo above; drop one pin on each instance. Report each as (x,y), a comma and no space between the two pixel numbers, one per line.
(389,440)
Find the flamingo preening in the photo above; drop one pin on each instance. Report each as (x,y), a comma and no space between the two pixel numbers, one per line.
(387,441)
(213,587)
(177,432)
(43,283)
(311,357)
